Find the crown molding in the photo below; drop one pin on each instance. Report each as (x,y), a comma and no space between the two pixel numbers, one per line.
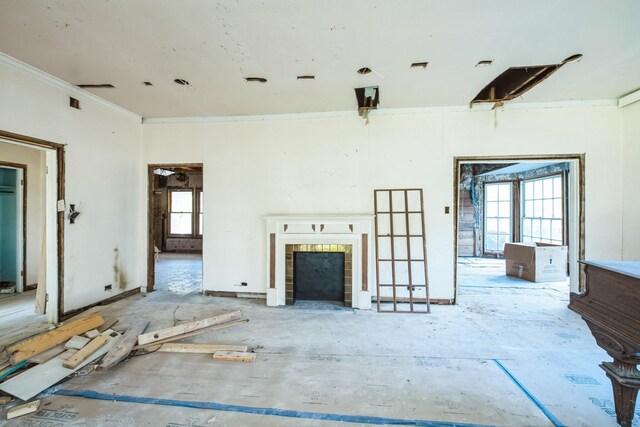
(75,91)
(382,112)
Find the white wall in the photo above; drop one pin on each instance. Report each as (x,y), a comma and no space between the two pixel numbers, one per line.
(332,165)
(102,164)
(34,159)
(631,199)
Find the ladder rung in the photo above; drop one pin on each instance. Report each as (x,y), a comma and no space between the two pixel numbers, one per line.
(400,235)
(398,212)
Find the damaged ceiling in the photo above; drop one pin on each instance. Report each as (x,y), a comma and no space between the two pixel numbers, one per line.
(244,58)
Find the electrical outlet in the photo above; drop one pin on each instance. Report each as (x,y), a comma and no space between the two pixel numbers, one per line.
(243,283)
(108,287)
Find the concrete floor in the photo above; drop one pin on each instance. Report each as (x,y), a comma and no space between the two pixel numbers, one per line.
(18,312)
(470,363)
(178,273)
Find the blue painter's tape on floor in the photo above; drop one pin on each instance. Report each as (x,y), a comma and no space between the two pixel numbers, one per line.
(262,411)
(556,422)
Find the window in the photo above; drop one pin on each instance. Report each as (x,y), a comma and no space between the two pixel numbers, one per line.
(542,219)
(200,214)
(497,225)
(186,212)
(181,212)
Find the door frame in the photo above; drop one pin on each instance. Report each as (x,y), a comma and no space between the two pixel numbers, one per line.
(576,184)
(55,160)
(19,166)
(151,266)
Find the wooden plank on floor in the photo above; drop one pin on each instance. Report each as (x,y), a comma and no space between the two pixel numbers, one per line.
(125,344)
(11,335)
(85,352)
(191,334)
(43,342)
(40,377)
(187,327)
(49,354)
(234,356)
(108,323)
(20,410)
(179,347)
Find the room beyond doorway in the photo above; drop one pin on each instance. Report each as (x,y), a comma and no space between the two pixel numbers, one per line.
(39,253)
(176,228)
(509,205)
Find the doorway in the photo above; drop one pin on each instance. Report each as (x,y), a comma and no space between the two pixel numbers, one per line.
(504,204)
(176,228)
(31,273)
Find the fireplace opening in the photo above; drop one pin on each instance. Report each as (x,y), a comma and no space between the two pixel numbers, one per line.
(320,272)
(318,276)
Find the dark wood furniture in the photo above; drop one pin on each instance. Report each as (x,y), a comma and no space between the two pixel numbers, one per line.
(611,307)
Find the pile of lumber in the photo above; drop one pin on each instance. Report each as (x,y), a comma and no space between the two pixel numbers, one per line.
(36,363)
(164,340)
(32,365)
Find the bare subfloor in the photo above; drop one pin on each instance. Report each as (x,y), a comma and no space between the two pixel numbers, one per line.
(178,273)
(470,363)
(18,312)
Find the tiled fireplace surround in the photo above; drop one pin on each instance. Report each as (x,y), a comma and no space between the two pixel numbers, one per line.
(351,234)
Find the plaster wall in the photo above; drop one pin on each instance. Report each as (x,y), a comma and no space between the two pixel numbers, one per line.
(631,187)
(103,156)
(331,165)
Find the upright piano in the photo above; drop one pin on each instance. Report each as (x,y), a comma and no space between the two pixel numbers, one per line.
(611,307)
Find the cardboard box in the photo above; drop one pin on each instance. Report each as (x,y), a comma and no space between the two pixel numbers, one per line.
(536,262)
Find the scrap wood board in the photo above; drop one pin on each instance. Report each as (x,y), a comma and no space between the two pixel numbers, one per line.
(187,327)
(191,334)
(43,342)
(11,336)
(179,347)
(43,376)
(234,356)
(20,410)
(86,352)
(124,345)
(46,355)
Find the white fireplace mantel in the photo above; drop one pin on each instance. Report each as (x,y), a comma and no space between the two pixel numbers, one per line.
(355,230)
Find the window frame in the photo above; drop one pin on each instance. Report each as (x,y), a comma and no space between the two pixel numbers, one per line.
(512,221)
(523,199)
(170,191)
(199,193)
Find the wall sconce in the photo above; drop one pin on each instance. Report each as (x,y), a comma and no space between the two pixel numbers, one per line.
(73,214)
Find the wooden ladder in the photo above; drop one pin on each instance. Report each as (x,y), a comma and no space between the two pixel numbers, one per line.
(401,259)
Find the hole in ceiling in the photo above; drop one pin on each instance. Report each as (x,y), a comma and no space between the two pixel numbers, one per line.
(515,81)
(573,58)
(484,63)
(147,83)
(97,86)
(419,64)
(182,82)
(368,97)
(364,70)
(256,79)
(74,103)
(306,77)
